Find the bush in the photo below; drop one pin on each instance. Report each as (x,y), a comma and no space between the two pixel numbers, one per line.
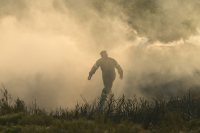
(37,119)
(172,122)
(19,106)
(11,118)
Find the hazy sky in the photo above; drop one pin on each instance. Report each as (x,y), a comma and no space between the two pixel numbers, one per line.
(48,47)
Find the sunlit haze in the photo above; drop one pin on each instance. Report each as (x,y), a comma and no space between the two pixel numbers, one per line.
(48,47)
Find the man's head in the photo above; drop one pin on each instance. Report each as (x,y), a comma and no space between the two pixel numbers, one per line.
(104,54)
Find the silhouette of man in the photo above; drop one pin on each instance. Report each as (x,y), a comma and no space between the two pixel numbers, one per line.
(108,66)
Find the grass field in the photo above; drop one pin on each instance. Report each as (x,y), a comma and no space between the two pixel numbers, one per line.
(120,115)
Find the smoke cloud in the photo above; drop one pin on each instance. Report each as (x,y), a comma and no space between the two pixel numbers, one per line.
(164,21)
(49,46)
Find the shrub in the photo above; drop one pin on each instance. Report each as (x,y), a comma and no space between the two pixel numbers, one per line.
(11,118)
(40,120)
(172,122)
(19,106)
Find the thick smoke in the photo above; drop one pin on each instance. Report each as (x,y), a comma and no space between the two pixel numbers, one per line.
(168,70)
(162,20)
(48,47)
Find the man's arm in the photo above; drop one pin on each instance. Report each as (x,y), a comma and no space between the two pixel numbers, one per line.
(119,69)
(93,70)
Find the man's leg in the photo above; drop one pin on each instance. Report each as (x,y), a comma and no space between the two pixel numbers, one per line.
(108,82)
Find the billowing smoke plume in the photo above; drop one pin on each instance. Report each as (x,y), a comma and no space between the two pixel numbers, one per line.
(158,20)
(48,47)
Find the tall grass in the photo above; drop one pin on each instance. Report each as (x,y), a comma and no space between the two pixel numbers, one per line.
(122,114)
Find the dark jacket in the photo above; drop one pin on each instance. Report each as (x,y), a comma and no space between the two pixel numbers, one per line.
(108,66)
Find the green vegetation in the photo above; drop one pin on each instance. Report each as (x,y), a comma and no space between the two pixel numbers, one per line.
(118,116)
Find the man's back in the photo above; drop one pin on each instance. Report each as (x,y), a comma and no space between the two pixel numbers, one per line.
(107,66)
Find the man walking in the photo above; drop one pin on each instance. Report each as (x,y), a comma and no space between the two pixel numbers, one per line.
(108,66)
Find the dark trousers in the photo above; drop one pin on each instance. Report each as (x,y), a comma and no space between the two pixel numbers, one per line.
(108,82)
